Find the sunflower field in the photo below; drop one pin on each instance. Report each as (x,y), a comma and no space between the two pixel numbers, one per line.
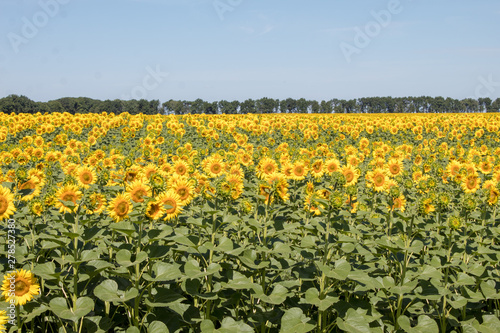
(250,223)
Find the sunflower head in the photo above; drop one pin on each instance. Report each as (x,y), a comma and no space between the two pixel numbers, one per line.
(154,210)
(7,207)
(67,198)
(25,285)
(120,207)
(454,222)
(468,203)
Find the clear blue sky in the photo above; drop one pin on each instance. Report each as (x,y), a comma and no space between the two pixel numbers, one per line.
(240,49)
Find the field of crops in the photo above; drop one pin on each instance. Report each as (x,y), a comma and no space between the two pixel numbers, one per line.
(250,223)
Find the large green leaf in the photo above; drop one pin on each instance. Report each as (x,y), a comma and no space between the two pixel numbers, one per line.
(354,322)
(425,325)
(60,308)
(126,259)
(108,291)
(295,321)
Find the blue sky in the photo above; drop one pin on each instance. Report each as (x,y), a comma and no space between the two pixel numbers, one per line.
(240,49)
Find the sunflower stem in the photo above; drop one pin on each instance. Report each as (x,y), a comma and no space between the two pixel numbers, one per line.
(137,277)
(75,268)
(18,316)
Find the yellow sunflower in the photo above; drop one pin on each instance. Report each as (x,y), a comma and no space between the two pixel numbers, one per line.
(299,170)
(351,175)
(279,183)
(267,166)
(236,185)
(395,167)
(35,184)
(378,178)
(4,319)
(173,203)
(97,203)
(25,285)
(317,169)
(85,176)
(399,203)
(181,168)
(214,166)
(7,207)
(493,197)
(67,193)
(138,190)
(332,165)
(120,207)
(155,210)
(470,184)
(184,189)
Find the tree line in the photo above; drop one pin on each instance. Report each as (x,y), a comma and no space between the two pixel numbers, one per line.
(423,104)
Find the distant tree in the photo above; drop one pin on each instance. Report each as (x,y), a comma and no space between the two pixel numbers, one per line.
(173,107)
(325,107)
(55,106)
(266,105)
(211,108)
(226,107)
(314,107)
(198,106)
(248,106)
(495,106)
(18,104)
(302,105)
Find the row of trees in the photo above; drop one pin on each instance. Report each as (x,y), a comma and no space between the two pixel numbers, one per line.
(423,104)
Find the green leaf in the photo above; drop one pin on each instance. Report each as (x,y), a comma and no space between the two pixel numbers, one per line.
(463,279)
(163,297)
(108,291)
(157,326)
(229,325)
(165,272)
(295,321)
(249,259)
(60,308)
(47,271)
(312,297)
(207,326)
(225,245)
(278,295)
(123,258)
(124,227)
(354,322)
(33,310)
(490,324)
(239,281)
(425,325)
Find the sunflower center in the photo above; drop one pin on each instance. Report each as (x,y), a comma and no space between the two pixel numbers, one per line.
(298,170)
(183,193)
(181,170)
(216,168)
(269,168)
(130,176)
(21,287)
(137,195)
(471,183)
(121,208)
(349,176)
(378,180)
(153,209)
(86,178)
(69,197)
(3,205)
